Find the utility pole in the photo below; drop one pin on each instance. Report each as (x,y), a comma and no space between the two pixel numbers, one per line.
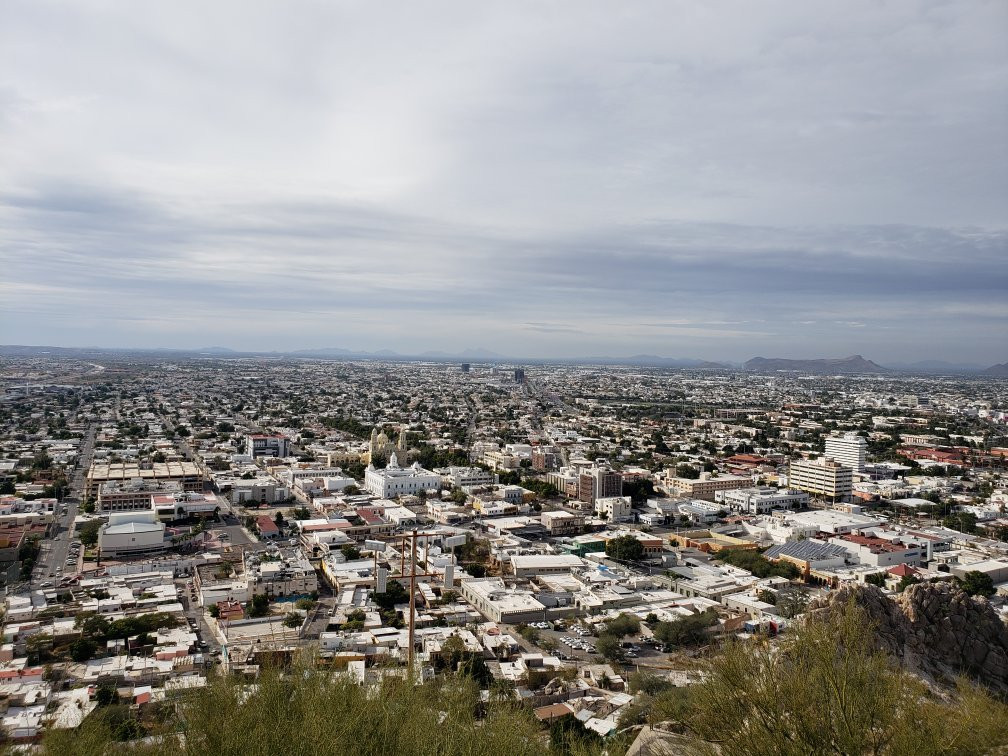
(412,599)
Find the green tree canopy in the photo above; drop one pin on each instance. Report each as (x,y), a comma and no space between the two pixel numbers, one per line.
(977,583)
(624,547)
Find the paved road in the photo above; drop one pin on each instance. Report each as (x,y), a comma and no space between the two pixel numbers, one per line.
(194,613)
(55,549)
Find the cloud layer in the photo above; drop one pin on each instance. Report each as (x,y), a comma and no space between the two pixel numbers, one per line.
(713,180)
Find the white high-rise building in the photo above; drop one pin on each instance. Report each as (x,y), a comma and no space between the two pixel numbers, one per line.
(848,449)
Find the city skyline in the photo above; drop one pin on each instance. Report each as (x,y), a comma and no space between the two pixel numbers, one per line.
(705,182)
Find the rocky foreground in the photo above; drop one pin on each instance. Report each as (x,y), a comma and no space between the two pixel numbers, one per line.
(935,630)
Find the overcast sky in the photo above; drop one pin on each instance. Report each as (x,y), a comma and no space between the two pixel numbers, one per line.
(713,180)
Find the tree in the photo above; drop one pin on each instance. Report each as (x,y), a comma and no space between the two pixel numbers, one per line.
(639,490)
(568,735)
(610,648)
(624,624)
(106,694)
(792,600)
(624,547)
(687,471)
(350,551)
(394,594)
(292,619)
(82,649)
(279,519)
(529,633)
(258,606)
(214,611)
(965,522)
(877,578)
(89,532)
(687,631)
(757,564)
(766,596)
(977,583)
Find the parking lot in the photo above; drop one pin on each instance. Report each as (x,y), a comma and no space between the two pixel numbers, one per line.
(575,642)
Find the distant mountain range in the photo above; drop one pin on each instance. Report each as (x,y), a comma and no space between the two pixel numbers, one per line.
(939,367)
(826,366)
(853,364)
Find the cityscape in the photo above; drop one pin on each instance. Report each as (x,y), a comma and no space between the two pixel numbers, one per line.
(577,539)
(504,379)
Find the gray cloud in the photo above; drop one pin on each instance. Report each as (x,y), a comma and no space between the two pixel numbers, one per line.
(712,180)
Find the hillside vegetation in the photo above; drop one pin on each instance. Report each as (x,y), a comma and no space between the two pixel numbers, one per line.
(824,689)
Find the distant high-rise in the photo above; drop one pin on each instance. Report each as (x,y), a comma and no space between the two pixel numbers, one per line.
(599,483)
(465,367)
(519,375)
(848,449)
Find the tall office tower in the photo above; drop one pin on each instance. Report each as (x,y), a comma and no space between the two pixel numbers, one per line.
(848,449)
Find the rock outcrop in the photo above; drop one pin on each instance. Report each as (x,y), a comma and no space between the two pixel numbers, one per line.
(935,630)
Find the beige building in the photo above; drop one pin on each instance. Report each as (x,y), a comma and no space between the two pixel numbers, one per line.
(563,523)
(133,495)
(706,486)
(823,477)
(188,475)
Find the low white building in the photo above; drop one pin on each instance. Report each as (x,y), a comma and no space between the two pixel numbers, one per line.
(501,603)
(761,499)
(614,508)
(132,534)
(400,481)
(530,565)
(466,477)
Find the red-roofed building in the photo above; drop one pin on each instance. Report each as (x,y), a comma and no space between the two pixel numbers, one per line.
(229,610)
(934,455)
(267,528)
(903,570)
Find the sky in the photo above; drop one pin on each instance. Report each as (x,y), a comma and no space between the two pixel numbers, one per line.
(542,179)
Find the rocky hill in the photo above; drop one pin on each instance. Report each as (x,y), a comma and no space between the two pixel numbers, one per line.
(997,371)
(935,630)
(853,364)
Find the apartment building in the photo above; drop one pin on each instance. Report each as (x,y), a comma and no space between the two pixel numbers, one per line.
(706,485)
(599,483)
(466,477)
(823,477)
(560,523)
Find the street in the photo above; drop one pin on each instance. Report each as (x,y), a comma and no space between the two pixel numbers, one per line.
(52,562)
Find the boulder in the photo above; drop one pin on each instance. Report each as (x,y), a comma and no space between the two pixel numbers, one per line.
(934,629)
